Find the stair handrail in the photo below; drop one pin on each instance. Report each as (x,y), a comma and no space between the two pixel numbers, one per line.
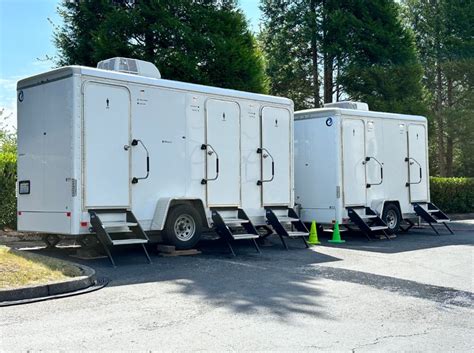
(260,150)
(367,159)
(205,147)
(135,142)
(413,160)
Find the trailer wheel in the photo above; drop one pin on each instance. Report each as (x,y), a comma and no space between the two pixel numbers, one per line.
(183,227)
(51,240)
(391,215)
(88,241)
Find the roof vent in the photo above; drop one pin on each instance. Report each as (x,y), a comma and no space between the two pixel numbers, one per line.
(348,105)
(130,66)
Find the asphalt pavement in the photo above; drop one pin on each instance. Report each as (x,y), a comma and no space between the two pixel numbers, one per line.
(413,293)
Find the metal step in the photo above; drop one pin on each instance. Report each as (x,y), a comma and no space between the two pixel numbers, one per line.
(108,225)
(432,215)
(374,228)
(297,234)
(234,221)
(117,221)
(286,219)
(277,221)
(368,223)
(129,241)
(331,230)
(223,226)
(244,236)
(369,216)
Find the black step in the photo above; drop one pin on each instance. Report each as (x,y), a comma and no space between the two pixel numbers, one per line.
(368,223)
(432,215)
(129,241)
(224,227)
(277,221)
(132,230)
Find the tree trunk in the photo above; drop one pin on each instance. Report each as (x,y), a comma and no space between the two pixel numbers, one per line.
(449,130)
(314,53)
(440,121)
(149,46)
(439,96)
(328,78)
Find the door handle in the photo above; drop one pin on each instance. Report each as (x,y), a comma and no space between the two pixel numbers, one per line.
(136,179)
(210,151)
(265,154)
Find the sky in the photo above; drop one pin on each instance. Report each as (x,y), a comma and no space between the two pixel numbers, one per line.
(26,35)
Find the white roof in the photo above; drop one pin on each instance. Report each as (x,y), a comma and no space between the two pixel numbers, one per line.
(131,78)
(325,112)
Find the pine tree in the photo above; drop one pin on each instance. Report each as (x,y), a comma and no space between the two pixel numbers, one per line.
(445,39)
(382,68)
(357,49)
(200,41)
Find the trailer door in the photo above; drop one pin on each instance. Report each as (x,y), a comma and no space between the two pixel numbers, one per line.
(417,162)
(106,152)
(275,157)
(222,153)
(353,160)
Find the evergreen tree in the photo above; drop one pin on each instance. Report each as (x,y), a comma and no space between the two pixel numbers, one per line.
(200,41)
(382,68)
(445,38)
(357,49)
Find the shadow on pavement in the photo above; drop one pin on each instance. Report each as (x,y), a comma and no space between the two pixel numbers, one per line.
(273,281)
(416,239)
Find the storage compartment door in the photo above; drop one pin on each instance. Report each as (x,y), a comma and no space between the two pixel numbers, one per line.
(353,159)
(417,163)
(106,152)
(276,157)
(223,153)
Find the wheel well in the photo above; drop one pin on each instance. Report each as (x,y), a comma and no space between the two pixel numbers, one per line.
(197,205)
(392,202)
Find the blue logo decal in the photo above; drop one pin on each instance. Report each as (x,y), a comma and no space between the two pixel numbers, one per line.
(328,121)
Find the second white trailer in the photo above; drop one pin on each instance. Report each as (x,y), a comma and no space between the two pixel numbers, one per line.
(355,166)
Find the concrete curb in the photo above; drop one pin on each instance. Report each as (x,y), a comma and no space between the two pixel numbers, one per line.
(87,279)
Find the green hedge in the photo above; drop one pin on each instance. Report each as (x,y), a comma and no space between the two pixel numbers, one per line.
(7,190)
(453,195)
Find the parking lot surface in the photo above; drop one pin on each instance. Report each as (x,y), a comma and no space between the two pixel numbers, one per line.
(412,293)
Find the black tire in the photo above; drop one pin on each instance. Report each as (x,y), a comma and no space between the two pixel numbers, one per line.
(51,240)
(392,217)
(88,241)
(183,227)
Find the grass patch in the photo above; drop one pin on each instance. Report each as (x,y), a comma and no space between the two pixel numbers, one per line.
(18,269)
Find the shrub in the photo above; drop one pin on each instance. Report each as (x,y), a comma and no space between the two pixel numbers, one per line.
(453,195)
(7,190)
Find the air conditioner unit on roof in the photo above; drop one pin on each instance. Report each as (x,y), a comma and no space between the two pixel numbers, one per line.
(348,105)
(130,66)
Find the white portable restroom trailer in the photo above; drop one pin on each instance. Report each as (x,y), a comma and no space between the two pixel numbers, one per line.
(124,154)
(361,167)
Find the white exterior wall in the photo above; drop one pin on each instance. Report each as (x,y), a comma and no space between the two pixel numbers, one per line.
(318,178)
(324,160)
(45,154)
(170,118)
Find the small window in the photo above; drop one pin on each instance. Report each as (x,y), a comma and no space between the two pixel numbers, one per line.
(24,187)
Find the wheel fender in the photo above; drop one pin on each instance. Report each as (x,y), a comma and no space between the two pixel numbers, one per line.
(378,205)
(165,203)
(395,202)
